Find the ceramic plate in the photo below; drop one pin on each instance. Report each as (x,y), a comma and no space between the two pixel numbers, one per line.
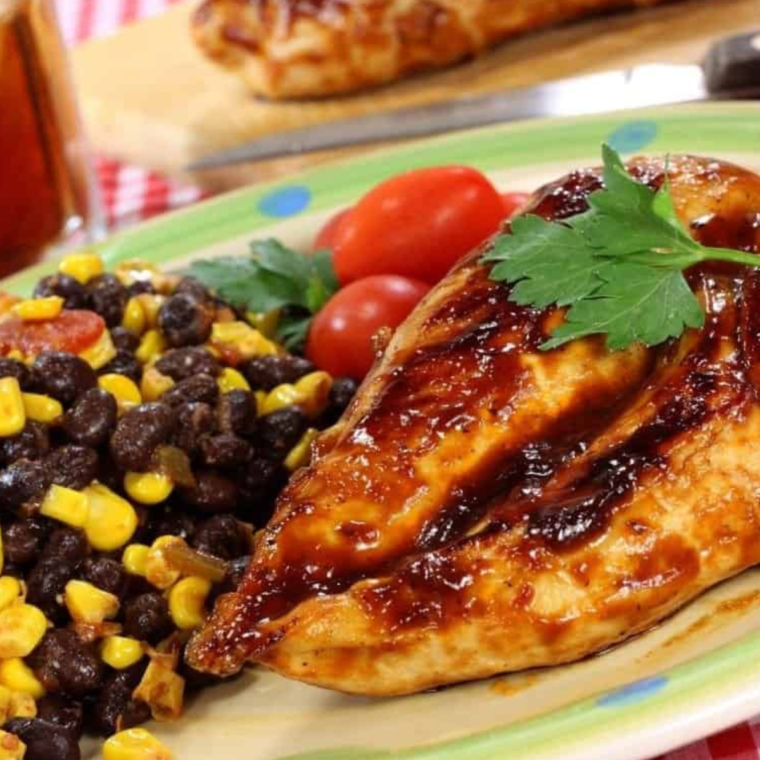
(696,673)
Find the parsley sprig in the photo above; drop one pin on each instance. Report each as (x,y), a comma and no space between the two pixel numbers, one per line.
(273,278)
(618,267)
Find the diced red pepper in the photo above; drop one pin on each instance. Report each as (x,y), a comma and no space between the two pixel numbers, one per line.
(72,331)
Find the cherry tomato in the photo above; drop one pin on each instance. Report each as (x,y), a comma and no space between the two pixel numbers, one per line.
(326,236)
(72,330)
(513,202)
(340,337)
(417,224)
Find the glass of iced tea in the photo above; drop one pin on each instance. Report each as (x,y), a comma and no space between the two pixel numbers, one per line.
(48,194)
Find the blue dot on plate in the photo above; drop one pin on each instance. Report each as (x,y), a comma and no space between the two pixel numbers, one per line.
(633,136)
(633,692)
(285,201)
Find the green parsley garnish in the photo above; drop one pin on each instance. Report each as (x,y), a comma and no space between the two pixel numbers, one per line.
(618,266)
(273,278)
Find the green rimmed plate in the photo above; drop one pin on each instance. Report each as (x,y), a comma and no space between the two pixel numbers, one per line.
(694,674)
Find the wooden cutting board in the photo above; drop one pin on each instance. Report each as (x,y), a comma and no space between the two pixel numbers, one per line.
(149,97)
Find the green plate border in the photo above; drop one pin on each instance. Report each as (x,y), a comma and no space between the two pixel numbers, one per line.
(685,702)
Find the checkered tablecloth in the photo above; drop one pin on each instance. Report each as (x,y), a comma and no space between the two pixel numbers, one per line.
(132,193)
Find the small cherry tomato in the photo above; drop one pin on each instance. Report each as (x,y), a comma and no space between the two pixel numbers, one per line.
(513,202)
(326,236)
(72,330)
(340,337)
(417,224)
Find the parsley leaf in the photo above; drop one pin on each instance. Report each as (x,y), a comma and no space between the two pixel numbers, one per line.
(618,266)
(273,278)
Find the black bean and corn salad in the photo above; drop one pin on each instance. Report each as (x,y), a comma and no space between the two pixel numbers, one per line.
(146,428)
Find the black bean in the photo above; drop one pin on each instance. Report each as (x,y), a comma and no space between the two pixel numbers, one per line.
(221,536)
(107,574)
(235,571)
(63,376)
(64,663)
(123,340)
(199,388)
(124,363)
(279,431)
(147,618)
(236,412)
(225,451)
(194,288)
(138,287)
(22,482)
(193,421)
(169,522)
(342,392)
(267,372)
(108,297)
(72,291)
(185,321)
(67,545)
(33,442)
(45,740)
(258,483)
(62,711)
(19,370)
(138,433)
(92,418)
(72,466)
(212,493)
(23,540)
(45,586)
(181,363)
(114,709)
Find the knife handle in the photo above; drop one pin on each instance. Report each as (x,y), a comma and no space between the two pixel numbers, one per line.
(733,65)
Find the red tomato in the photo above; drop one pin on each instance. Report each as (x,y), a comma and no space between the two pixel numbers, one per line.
(340,337)
(513,202)
(417,224)
(326,236)
(72,330)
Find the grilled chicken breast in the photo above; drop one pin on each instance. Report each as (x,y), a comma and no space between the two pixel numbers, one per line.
(485,506)
(307,48)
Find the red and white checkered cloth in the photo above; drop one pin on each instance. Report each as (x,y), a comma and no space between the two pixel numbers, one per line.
(132,194)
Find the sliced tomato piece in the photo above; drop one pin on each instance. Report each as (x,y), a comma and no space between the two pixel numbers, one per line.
(71,331)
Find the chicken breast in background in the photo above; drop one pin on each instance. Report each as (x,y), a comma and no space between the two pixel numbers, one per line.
(485,506)
(310,48)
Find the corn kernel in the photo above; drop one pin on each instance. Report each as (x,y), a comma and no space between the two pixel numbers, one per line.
(101,352)
(153,384)
(6,698)
(315,391)
(134,558)
(7,301)
(112,520)
(82,266)
(89,604)
(121,652)
(14,353)
(134,317)
(16,675)
(158,570)
(148,487)
(151,304)
(11,747)
(2,554)
(41,408)
(230,380)
(135,270)
(187,600)
(123,389)
(10,591)
(66,505)
(265,322)
(22,626)
(12,414)
(134,744)
(261,397)
(152,345)
(280,397)
(22,705)
(242,338)
(300,454)
(39,309)
(162,690)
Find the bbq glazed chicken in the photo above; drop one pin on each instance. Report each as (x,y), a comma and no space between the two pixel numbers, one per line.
(485,506)
(308,48)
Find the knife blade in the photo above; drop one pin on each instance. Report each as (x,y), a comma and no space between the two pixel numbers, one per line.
(731,69)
